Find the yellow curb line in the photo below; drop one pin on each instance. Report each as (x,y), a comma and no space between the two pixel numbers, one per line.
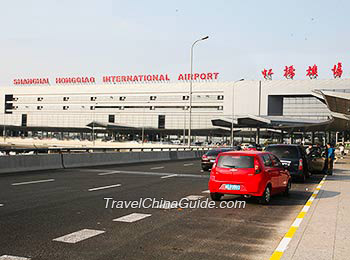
(282,246)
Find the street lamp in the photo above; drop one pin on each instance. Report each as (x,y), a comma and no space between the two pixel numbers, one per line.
(93,125)
(190,92)
(233,109)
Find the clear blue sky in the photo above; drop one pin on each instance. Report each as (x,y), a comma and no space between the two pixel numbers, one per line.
(46,38)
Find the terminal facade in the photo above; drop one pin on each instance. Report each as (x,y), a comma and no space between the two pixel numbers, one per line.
(162,109)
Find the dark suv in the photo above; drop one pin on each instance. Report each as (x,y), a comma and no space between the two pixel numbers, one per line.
(293,156)
(209,157)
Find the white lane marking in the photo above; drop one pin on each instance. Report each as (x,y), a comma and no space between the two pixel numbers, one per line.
(168,176)
(305,209)
(132,217)
(187,164)
(157,168)
(31,182)
(108,173)
(194,197)
(206,191)
(11,257)
(1,205)
(311,199)
(79,236)
(319,187)
(104,187)
(297,222)
(283,244)
(316,191)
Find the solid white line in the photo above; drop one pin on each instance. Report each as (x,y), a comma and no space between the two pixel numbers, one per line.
(188,164)
(108,173)
(105,187)
(168,176)
(297,222)
(283,244)
(194,197)
(206,191)
(11,257)
(132,217)
(79,236)
(157,168)
(1,205)
(31,182)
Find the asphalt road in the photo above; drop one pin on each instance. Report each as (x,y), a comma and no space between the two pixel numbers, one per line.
(39,209)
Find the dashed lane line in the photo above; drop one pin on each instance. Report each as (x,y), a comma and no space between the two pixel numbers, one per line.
(277,254)
(168,176)
(188,164)
(194,197)
(157,168)
(104,187)
(79,236)
(32,182)
(108,173)
(155,174)
(132,217)
(1,205)
(11,257)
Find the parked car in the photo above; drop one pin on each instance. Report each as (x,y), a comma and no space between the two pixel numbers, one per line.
(248,173)
(294,157)
(316,160)
(209,157)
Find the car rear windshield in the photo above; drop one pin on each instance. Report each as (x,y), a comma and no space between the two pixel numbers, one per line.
(236,161)
(215,152)
(284,152)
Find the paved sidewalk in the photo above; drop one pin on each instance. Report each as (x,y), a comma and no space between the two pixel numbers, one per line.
(325,231)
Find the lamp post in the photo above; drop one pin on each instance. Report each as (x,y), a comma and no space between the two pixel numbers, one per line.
(233,109)
(4,131)
(190,92)
(93,126)
(143,123)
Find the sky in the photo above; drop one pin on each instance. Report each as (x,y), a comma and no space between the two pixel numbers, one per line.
(68,38)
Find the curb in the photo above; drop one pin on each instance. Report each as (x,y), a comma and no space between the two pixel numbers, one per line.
(282,246)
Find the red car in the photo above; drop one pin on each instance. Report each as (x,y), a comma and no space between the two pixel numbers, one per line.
(248,173)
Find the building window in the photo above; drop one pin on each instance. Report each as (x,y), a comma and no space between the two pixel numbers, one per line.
(65,98)
(161,121)
(65,107)
(152,108)
(92,107)
(185,108)
(39,107)
(93,98)
(153,98)
(220,97)
(122,98)
(40,99)
(185,97)
(121,108)
(24,120)
(220,108)
(111,118)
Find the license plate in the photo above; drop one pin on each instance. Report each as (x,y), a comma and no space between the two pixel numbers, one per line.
(286,163)
(212,160)
(233,187)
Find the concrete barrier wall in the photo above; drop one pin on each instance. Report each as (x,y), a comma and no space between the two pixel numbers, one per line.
(23,163)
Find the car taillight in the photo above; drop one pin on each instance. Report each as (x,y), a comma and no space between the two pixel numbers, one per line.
(257,166)
(204,156)
(300,164)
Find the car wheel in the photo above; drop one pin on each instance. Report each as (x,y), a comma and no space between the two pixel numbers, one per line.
(205,168)
(215,196)
(266,197)
(286,191)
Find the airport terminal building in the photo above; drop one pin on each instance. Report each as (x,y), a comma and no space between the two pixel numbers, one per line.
(162,108)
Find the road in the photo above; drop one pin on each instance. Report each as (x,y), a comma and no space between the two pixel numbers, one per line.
(62,214)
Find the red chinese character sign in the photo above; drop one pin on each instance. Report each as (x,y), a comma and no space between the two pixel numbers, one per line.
(289,72)
(311,72)
(267,74)
(337,70)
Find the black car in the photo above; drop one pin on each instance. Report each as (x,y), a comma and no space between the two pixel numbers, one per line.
(316,159)
(294,157)
(209,157)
